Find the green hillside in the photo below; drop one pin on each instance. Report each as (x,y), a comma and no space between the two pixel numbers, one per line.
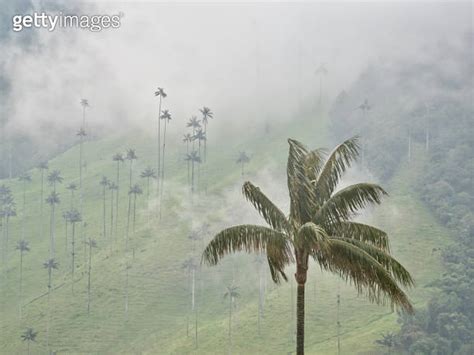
(159,318)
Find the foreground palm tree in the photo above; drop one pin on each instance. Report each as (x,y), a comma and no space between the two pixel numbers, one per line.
(29,335)
(23,247)
(319,226)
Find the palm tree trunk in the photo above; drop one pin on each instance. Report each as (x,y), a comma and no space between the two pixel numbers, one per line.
(163,167)
(66,246)
(159,151)
(128,221)
(89,279)
(205,142)
(301,273)
(49,307)
(230,320)
(23,212)
(187,162)
(192,177)
(51,251)
(41,204)
(104,214)
(21,280)
(111,232)
(117,196)
(126,292)
(73,253)
(193,289)
(134,211)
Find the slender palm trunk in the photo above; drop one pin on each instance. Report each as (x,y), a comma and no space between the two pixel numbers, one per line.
(205,142)
(81,190)
(129,208)
(41,205)
(163,168)
(230,320)
(159,151)
(66,233)
(300,276)
(52,230)
(23,212)
(242,168)
(338,323)
(126,292)
(111,231)
(193,289)
(192,176)
(117,196)
(187,162)
(104,213)
(73,254)
(148,198)
(89,279)
(49,307)
(21,281)
(134,211)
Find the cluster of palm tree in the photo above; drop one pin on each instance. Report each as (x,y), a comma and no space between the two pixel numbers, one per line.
(196,155)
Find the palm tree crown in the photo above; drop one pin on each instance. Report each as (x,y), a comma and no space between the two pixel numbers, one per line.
(29,335)
(55,177)
(206,114)
(118,157)
(160,92)
(166,115)
(22,246)
(51,264)
(319,225)
(149,172)
(242,158)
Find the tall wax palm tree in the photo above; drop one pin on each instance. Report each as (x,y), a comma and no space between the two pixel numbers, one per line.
(194,158)
(55,178)
(92,244)
(319,226)
(188,138)
(160,92)
(42,167)
(81,134)
(112,187)
(84,104)
(29,335)
(104,182)
(119,159)
(200,136)
(321,71)
(52,200)
(23,247)
(131,156)
(242,160)
(50,264)
(74,217)
(231,293)
(148,173)
(24,179)
(166,116)
(72,187)
(135,191)
(206,115)
(194,124)
(66,217)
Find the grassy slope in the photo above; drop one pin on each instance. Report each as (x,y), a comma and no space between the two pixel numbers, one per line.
(159,295)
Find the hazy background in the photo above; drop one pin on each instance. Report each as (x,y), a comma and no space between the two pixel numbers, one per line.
(252,61)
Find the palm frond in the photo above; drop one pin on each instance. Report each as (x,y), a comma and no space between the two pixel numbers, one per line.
(336,164)
(356,265)
(362,232)
(302,199)
(311,238)
(271,213)
(314,163)
(251,238)
(345,203)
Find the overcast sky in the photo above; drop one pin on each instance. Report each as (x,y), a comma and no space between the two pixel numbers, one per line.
(236,58)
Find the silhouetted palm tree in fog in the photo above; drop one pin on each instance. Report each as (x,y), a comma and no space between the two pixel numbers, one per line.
(321,71)
(50,264)
(112,188)
(206,115)
(194,124)
(187,139)
(242,160)
(131,156)
(104,182)
(135,191)
(92,244)
(29,335)
(160,92)
(55,178)
(23,247)
(42,167)
(72,187)
(74,217)
(166,116)
(84,104)
(148,174)
(24,179)
(231,293)
(319,226)
(194,158)
(119,159)
(52,200)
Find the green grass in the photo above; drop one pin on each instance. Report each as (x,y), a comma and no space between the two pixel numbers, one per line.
(158,286)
